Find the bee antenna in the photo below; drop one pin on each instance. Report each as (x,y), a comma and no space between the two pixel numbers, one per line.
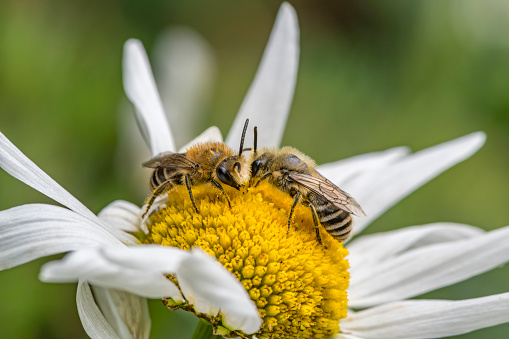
(243,136)
(255,138)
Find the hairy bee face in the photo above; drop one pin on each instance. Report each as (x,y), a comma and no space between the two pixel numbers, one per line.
(255,167)
(233,171)
(260,166)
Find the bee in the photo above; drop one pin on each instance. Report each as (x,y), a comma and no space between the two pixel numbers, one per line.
(294,173)
(204,163)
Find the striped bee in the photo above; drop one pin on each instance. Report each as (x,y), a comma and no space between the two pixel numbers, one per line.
(294,173)
(204,163)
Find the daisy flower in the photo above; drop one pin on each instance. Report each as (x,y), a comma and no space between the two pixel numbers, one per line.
(271,282)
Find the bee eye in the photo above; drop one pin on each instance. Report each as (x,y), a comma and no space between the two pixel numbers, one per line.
(237,166)
(225,177)
(255,166)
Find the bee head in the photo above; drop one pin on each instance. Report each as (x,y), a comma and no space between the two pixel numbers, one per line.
(233,171)
(259,166)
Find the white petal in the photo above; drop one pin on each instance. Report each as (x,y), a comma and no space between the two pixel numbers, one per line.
(94,323)
(344,336)
(378,190)
(93,266)
(125,312)
(122,215)
(29,232)
(417,319)
(204,282)
(154,257)
(184,68)
(141,89)
(210,287)
(340,172)
(368,251)
(14,162)
(131,152)
(270,96)
(426,268)
(159,202)
(210,134)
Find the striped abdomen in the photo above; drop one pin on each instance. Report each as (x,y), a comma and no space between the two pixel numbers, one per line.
(162,174)
(336,222)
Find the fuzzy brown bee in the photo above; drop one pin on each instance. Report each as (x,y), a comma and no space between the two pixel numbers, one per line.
(204,163)
(294,173)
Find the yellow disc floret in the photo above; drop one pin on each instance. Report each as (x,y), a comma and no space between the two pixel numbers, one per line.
(298,285)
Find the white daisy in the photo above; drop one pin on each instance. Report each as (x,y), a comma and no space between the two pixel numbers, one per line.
(386,269)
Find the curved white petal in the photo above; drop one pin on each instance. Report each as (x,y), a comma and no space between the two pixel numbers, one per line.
(368,251)
(345,336)
(427,268)
(94,323)
(378,190)
(270,96)
(210,287)
(29,232)
(184,68)
(147,257)
(203,281)
(140,88)
(139,270)
(210,134)
(125,312)
(14,162)
(91,265)
(416,319)
(340,172)
(123,215)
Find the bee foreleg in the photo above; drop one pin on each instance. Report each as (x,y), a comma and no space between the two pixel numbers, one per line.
(263,178)
(188,185)
(315,221)
(295,202)
(159,190)
(218,185)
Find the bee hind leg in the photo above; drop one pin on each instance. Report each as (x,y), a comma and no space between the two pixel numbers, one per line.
(159,190)
(188,186)
(296,199)
(218,185)
(315,221)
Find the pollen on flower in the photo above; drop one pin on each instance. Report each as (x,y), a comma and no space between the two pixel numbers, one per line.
(298,285)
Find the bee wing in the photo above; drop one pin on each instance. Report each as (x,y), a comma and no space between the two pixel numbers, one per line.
(327,190)
(170,160)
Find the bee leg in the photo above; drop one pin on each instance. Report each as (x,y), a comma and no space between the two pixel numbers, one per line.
(315,221)
(159,190)
(262,178)
(188,185)
(218,185)
(295,202)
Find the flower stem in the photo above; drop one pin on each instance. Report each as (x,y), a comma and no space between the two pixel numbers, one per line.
(204,331)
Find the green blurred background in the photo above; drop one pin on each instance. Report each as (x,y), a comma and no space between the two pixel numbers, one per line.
(372,75)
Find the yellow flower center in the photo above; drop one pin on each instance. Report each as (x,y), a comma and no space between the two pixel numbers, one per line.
(298,285)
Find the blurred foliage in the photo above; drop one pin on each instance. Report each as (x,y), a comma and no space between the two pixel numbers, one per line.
(373,75)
